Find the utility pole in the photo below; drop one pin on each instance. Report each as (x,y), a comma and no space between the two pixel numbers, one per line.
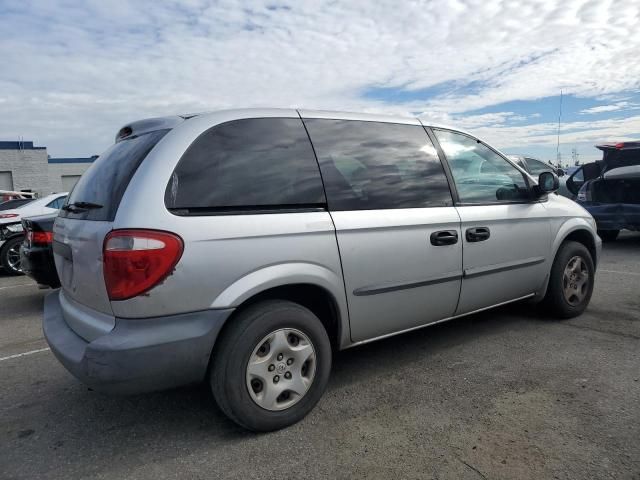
(574,157)
(558,156)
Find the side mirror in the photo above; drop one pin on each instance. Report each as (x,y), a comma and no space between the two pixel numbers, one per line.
(547,182)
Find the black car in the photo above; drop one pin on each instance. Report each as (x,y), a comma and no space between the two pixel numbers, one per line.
(36,252)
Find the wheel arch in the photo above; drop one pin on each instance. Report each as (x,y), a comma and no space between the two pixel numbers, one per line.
(12,236)
(577,230)
(313,286)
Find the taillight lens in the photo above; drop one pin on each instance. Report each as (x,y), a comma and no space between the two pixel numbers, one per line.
(39,238)
(135,261)
(9,215)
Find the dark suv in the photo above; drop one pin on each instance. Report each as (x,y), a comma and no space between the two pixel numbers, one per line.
(610,188)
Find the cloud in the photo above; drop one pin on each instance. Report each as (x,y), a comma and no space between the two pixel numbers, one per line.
(73,73)
(542,137)
(614,107)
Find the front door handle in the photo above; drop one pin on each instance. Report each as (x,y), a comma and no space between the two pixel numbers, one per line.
(444,237)
(477,234)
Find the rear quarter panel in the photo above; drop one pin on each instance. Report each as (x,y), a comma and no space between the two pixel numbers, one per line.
(226,258)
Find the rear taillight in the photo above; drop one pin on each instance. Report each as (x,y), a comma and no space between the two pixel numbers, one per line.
(135,261)
(9,215)
(39,238)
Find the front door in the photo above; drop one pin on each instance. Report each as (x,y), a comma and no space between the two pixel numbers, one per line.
(506,233)
(398,233)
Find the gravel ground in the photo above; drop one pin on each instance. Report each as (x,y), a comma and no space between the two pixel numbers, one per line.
(503,394)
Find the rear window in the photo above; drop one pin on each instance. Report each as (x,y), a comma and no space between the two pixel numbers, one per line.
(247,165)
(105,182)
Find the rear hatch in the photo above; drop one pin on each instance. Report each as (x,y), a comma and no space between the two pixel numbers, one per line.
(90,210)
(620,154)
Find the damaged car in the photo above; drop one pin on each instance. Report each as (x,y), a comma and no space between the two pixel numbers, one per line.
(610,188)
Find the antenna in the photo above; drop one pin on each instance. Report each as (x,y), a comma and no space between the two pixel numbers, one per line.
(558,156)
(574,157)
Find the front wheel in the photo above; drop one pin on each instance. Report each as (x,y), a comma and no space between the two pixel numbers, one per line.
(571,281)
(10,256)
(271,365)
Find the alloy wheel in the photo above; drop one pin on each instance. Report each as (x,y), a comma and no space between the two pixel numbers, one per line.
(13,258)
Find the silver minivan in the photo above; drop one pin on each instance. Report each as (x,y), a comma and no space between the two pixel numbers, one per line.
(242,247)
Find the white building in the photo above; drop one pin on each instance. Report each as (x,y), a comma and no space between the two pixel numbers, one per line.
(25,167)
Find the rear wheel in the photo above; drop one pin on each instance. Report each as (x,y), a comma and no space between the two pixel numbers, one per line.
(271,365)
(10,256)
(608,235)
(570,282)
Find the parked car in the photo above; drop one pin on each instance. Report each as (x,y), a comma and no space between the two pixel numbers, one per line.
(239,247)
(535,167)
(11,204)
(11,234)
(36,251)
(610,188)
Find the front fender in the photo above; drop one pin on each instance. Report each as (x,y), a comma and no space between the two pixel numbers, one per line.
(287,274)
(564,228)
(571,225)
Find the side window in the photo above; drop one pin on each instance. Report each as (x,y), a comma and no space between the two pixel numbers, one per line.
(250,163)
(57,203)
(536,167)
(372,165)
(480,174)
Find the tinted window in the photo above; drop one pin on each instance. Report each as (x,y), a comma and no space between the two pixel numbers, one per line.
(536,167)
(371,165)
(106,180)
(481,175)
(9,204)
(258,162)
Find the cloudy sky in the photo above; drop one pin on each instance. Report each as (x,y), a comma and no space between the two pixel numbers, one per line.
(73,72)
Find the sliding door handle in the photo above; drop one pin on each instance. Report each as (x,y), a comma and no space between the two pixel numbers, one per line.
(444,237)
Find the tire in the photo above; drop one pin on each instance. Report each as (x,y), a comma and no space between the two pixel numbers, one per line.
(7,256)
(267,323)
(608,235)
(557,301)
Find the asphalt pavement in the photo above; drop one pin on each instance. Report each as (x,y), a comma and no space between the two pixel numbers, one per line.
(503,394)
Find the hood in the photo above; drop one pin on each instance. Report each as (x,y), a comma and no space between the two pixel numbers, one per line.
(620,154)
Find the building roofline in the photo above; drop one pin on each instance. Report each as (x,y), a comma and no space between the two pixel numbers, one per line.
(72,159)
(18,145)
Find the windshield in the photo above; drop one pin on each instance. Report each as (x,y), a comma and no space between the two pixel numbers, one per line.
(105,182)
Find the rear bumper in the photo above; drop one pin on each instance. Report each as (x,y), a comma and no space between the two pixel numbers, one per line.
(37,263)
(138,355)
